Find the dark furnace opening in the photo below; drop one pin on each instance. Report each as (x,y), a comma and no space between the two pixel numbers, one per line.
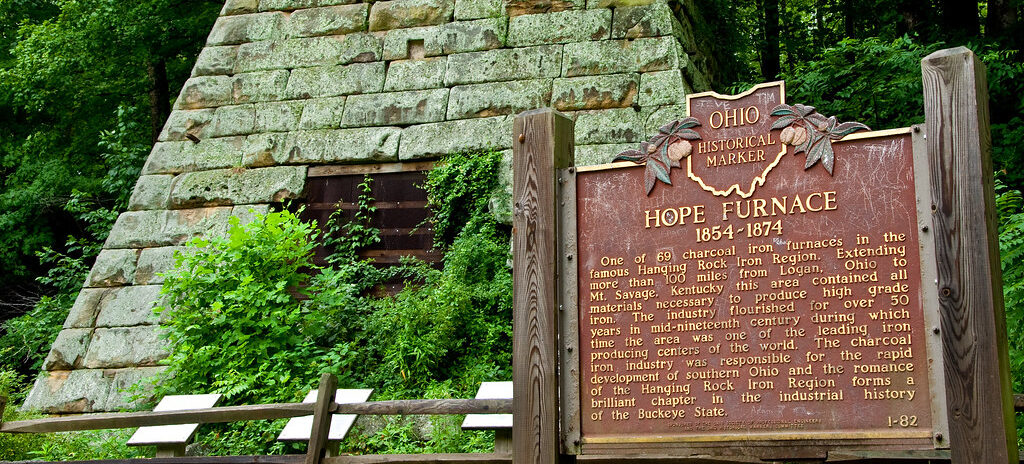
(401,213)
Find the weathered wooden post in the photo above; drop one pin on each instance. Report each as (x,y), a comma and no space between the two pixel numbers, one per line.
(321,419)
(543,143)
(978,394)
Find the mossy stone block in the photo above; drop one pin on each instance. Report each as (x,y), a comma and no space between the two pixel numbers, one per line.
(508,64)
(651,20)
(591,155)
(558,28)
(398,14)
(329,20)
(68,349)
(205,92)
(322,113)
(663,88)
(478,9)
(113,268)
(151,192)
(273,5)
(616,125)
(129,306)
(63,391)
(234,120)
(620,56)
(427,73)
(153,262)
(184,123)
(117,347)
(344,146)
(238,186)
(333,81)
(259,86)
(279,116)
(214,61)
(83,312)
(383,109)
(178,157)
(233,30)
(595,92)
(472,36)
(497,98)
(430,141)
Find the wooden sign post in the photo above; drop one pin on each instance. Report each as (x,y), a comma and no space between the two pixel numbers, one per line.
(978,394)
(543,144)
(762,280)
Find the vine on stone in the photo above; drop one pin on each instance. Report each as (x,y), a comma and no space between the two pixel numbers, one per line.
(811,132)
(664,151)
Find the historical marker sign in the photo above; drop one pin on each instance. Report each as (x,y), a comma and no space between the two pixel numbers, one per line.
(754,278)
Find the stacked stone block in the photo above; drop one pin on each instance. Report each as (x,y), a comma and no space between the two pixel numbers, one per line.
(283,85)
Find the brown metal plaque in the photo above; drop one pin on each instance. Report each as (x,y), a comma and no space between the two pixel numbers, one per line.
(759,294)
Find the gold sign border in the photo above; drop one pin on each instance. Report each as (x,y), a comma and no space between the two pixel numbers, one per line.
(853,136)
(759,180)
(741,435)
(841,436)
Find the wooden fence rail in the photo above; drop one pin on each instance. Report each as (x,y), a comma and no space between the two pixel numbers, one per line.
(253,412)
(453,458)
(322,411)
(271,411)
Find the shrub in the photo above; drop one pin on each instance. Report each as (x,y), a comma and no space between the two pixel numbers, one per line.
(237,322)
(250,316)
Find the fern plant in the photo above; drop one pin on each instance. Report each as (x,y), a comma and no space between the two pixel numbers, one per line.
(1010,207)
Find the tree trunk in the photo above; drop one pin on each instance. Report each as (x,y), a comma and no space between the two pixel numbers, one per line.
(1002,21)
(820,33)
(159,96)
(960,18)
(770,65)
(849,18)
(915,16)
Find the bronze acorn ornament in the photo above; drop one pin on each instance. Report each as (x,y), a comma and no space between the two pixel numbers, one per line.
(812,133)
(664,151)
(793,136)
(679,150)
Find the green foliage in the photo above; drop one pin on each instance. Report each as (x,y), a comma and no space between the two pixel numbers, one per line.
(15,447)
(250,316)
(244,438)
(399,434)
(234,316)
(26,338)
(1006,93)
(1010,207)
(458,190)
(98,444)
(237,323)
(872,81)
(346,238)
(124,150)
(457,325)
(342,286)
(75,77)
(75,127)
(85,445)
